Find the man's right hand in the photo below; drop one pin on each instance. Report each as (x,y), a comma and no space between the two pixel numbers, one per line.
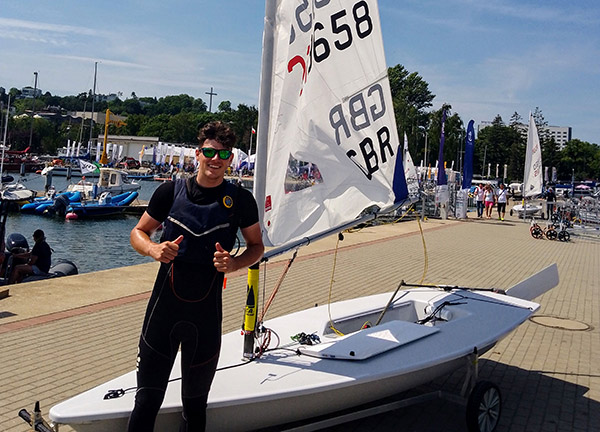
(166,251)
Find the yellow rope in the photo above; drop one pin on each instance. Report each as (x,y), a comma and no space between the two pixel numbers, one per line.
(331,325)
(426,258)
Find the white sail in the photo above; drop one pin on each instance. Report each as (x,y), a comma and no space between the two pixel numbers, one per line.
(410,172)
(532,180)
(331,142)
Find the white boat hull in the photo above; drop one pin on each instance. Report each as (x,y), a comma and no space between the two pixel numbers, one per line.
(282,386)
(529,210)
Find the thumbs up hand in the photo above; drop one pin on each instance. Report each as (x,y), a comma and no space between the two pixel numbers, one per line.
(222,260)
(166,251)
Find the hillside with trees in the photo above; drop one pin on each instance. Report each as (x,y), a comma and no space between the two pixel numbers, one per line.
(175,119)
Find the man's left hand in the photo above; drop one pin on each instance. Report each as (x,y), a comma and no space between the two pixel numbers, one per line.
(223,260)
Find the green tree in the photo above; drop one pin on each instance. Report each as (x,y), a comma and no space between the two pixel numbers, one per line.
(225,106)
(499,145)
(581,158)
(182,128)
(411,97)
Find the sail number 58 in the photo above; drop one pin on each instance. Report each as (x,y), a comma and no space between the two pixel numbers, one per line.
(363,25)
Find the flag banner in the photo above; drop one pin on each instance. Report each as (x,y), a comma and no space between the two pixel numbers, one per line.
(410,172)
(441,174)
(87,167)
(181,157)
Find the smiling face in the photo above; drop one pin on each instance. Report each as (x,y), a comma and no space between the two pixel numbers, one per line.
(211,170)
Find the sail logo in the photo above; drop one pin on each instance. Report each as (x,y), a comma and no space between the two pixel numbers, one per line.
(337,32)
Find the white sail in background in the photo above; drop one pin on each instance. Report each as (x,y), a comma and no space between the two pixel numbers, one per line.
(532,180)
(332,146)
(410,172)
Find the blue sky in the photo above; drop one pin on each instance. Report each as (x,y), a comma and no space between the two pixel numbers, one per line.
(482,57)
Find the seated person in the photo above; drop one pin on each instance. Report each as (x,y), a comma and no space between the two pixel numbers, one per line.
(38,260)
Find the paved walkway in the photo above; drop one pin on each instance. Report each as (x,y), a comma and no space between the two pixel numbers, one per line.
(63,336)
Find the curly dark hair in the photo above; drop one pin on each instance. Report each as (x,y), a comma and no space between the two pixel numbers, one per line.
(217,131)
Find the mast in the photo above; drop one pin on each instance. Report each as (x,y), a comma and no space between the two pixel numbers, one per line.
(4,140)
(33,108)
(264,104)
(82,120)
(93,99)
(260,164)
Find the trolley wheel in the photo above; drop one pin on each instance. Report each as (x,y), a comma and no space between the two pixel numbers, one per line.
(537,233)
(511,212)
(555,218)
(484,407)
(564,236)
(551,234)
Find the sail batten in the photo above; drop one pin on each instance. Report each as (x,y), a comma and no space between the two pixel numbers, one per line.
(330,146)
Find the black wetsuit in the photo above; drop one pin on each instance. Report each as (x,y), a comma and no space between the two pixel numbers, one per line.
(185,306)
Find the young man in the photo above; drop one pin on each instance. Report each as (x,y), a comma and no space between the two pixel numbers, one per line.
(38,260)
(501,199)
(479,195)
(201,215)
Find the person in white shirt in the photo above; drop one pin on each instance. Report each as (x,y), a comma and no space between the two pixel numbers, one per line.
(479,195)
(501,198)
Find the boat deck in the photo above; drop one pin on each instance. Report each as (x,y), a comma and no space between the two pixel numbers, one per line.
(63,336)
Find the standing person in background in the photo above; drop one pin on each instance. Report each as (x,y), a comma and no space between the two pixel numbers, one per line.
(489,200)
(501,198)
(479,196)
(202,215)
(550,201)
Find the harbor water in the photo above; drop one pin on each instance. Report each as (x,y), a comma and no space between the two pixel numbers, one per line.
(92,244)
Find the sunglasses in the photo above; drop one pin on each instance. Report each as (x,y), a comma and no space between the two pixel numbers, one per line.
(210,153)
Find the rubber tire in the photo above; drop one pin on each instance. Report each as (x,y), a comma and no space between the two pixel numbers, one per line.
(484,407)
(564,236)
(537,233)
(551,234)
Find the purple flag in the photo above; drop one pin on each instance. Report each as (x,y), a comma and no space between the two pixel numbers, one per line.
(469,149)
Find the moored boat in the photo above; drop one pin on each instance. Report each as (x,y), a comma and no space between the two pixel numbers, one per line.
(110,180)
(106,205)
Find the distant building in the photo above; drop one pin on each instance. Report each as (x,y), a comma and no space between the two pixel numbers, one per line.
(106,98)
(99,117)
(30,92)
(561,134)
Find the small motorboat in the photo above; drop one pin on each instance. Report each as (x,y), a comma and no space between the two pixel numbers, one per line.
(106,205)
(51,203)
(109,180)
(16,243)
